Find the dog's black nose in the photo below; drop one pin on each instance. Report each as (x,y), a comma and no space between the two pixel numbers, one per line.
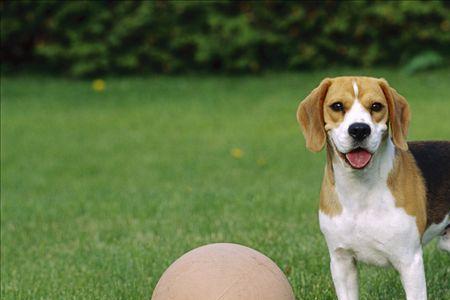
(359,131)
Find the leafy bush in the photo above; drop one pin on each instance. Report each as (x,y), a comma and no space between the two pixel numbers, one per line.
(84,38)
(424,61)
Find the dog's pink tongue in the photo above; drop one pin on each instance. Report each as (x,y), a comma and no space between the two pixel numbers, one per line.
(358,158)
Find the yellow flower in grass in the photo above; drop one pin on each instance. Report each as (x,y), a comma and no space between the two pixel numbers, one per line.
(261,161)
(237,153)
(98,85)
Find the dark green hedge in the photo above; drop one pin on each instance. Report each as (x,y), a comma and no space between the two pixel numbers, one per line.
(83,38)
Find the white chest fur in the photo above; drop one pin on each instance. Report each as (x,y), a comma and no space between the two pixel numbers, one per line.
(379,235)
(370,227)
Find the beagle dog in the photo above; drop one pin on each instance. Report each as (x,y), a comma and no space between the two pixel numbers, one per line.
(381,197)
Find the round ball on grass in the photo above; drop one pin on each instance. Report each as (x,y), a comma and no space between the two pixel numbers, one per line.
(223,271)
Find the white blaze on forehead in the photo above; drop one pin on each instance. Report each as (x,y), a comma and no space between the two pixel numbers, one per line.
(355,89)
(357,113)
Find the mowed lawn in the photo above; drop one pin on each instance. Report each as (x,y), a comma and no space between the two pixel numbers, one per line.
(102,191)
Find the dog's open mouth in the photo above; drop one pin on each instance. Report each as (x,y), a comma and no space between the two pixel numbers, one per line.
(358,158)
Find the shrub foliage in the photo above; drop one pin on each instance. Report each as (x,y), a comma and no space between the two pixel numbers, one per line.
(84,38)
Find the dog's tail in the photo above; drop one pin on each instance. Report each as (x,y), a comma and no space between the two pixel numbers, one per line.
(444,239)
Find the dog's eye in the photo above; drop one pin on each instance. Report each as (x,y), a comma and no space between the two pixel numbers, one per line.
(337,106)
(376,107)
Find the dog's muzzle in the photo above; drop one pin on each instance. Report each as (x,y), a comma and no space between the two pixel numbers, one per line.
(359,131)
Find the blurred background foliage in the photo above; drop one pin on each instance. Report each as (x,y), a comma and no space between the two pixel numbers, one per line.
(91,38)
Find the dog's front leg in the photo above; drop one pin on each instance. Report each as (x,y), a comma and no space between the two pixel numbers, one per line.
(345,275)
(412,274)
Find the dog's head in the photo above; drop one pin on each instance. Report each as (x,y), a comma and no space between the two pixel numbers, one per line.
(354,113)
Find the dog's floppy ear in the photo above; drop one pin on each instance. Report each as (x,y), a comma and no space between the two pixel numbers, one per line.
(310,116)
(399,115)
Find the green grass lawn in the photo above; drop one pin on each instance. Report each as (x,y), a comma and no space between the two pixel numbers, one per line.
(101,191)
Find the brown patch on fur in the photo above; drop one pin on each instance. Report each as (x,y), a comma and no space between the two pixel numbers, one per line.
(310,117)
(433,159)
(408,187)
(399,115)
(371,92)
(329,202)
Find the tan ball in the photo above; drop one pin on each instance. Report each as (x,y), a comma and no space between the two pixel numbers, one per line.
(223,271)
